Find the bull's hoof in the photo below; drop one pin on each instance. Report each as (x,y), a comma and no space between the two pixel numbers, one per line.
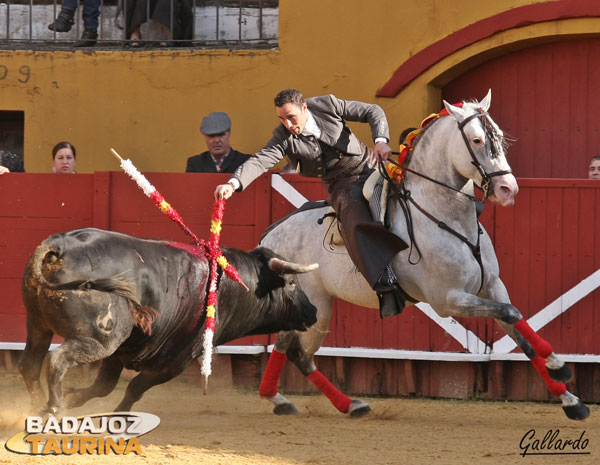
(48,412)
(577,412)
(285,409)
(561,375)
(358,409)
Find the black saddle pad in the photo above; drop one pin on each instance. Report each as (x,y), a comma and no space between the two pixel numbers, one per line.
(311,205)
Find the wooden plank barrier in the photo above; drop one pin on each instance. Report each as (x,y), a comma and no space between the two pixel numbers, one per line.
(547,246)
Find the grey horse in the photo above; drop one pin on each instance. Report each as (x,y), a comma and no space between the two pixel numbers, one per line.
(457,272)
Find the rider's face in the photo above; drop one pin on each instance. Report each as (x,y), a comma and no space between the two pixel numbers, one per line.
(293,117)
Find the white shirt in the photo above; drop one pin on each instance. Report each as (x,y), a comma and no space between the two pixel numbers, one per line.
(311,128)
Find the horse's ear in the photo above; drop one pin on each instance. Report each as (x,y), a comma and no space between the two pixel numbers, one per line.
(457,112)
(487,100)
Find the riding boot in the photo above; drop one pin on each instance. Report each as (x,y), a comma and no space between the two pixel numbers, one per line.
(392,299)
(63,21)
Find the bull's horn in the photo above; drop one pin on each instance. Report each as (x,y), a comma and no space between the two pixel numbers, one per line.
(281,266)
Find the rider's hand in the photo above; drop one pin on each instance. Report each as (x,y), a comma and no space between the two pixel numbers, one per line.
(381,151)
(223,191)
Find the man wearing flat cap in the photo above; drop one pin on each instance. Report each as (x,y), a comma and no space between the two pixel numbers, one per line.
(220,157)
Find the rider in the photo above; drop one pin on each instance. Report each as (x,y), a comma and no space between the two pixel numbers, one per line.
(314,135)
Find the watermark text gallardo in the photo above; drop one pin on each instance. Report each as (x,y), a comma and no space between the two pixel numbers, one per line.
(97,434)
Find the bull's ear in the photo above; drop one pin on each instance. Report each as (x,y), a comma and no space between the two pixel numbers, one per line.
(280,266)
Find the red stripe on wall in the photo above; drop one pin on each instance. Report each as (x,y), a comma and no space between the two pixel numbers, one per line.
(510,19)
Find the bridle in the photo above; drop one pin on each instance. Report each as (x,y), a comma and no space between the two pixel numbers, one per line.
(405,198)
(487,184)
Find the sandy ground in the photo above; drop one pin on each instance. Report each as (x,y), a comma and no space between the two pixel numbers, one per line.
(233,427)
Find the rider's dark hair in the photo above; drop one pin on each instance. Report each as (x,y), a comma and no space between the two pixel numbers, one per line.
(289,96)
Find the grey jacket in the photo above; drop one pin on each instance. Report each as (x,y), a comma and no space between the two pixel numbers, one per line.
(331,114)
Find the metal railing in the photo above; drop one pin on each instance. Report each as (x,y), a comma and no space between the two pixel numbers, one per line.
(163,23)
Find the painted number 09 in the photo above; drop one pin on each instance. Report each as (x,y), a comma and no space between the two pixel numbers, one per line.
(24,72)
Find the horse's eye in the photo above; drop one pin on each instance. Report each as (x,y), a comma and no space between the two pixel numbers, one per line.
(477,141)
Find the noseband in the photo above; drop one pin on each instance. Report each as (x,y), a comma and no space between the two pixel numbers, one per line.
(487,184)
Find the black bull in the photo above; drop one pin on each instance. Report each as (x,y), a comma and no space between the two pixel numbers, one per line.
(140,304)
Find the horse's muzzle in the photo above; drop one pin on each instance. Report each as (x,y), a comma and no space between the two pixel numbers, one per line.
(505,190)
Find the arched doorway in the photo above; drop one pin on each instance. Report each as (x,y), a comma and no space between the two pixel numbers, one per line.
(547,98)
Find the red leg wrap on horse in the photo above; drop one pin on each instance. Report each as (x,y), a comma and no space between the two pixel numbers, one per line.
(555,388)
(541,346)
(339,400)
(268,385)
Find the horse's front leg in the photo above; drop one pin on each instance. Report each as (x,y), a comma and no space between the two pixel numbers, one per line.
(552,369)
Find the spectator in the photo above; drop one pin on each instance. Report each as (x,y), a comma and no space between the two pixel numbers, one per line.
(66,18)
(405,134)
(220,157)
(159,11)
(594,170)
(10,162)
(63,158)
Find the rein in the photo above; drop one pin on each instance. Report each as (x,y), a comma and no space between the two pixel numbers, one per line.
(405,198)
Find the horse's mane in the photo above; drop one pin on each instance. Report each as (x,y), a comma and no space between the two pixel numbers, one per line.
(498,141)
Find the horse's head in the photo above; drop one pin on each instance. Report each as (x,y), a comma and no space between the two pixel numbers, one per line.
(479,152)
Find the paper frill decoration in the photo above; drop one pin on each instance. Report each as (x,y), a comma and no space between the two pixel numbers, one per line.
(213,253)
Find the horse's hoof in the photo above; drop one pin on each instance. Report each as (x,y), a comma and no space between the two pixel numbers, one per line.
(577,412)
(285,409)
(358,409)
(561,375)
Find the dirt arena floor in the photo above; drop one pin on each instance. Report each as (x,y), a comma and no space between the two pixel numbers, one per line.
(235,427)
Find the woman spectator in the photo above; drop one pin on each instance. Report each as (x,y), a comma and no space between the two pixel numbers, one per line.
(63,158)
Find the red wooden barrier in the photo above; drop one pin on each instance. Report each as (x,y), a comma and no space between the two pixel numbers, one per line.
(546,245)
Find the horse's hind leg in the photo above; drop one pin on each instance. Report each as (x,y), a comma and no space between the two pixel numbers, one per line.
(105,382)
(300,348)
(31,361)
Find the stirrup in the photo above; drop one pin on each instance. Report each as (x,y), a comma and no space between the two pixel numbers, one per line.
(391,303)
(392,299)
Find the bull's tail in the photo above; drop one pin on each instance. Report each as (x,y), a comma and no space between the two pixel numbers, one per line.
(45,259)
(116,284)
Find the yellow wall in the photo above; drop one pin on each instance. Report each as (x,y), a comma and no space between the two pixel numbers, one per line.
(148,105)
